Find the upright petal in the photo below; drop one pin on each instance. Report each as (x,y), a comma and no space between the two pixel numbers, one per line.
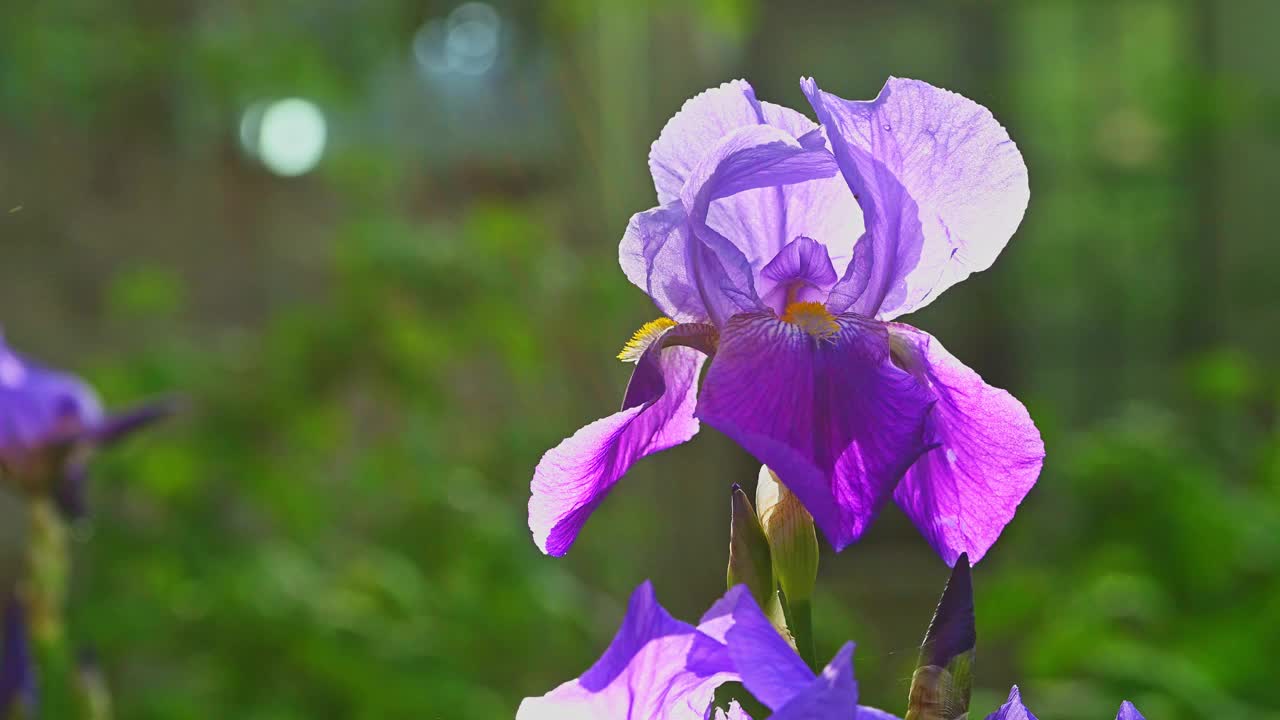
(691,270)
(659,255)
(573,478)
(986,453)
(1128,712)
(758,221)
(656,667)
(941,185)
(800,272)
(697,127)
(707,118)
(834,419)
(1013,709)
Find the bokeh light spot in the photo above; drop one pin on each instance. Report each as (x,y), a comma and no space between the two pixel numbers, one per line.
(291,136)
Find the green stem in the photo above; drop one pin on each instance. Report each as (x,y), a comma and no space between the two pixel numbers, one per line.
(800,623)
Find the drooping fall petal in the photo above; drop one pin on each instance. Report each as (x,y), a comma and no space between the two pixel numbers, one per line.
(834,419)
(986,452)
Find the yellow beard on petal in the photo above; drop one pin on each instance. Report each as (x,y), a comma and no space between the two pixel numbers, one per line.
(813,318)
(643,338)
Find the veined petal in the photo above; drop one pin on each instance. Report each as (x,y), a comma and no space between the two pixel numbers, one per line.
(832,695)
(573,478)
(832,416)
(1013,709)
(697,127)
(766,664)
(656,667)
(659,255)
(986,453)
(941,185)
(705,120)
(752,157)
(774,674)
(753,206)
(800,272)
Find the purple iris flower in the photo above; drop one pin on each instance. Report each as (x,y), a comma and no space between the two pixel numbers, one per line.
(785,250)
(50,421)
(1015,710)
(659,668)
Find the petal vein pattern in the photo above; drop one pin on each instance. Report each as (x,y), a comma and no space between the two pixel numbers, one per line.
(941,185)
(834,419)
(573,478)
(986,452)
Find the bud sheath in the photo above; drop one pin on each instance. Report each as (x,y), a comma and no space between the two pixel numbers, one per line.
(750,563)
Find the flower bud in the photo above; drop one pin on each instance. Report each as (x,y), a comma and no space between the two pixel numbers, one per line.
(749,557)
(942,682)
(792,538)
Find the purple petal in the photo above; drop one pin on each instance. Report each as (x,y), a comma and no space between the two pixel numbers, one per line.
(1013,709)
(701,122)
(659,255)
(757,156)
(705,120)
(832,695)
(574,477)
(17,670)
(767,665)
(646,673)
(1128,712)
(747,213)
(987,453)
(941,185)
(800,272)
(833,418)
(118,426)
(39,406)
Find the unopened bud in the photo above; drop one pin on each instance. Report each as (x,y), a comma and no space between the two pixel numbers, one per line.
(792,538)
(942,682)
(749,557)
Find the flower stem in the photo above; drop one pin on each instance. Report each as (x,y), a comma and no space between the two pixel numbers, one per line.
(800,623)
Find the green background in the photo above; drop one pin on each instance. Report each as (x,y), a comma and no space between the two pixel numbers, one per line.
(377,353)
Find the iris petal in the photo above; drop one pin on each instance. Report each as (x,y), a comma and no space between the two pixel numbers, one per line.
(1013,709)
(941,185)
(1128,712)
(986,454)
(833,418)
(573,478)
(722,167)
(645,673)
(832,694)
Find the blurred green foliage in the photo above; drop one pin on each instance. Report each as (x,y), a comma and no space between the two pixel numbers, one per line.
(377,353)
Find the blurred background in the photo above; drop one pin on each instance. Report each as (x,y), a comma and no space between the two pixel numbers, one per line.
(375,245)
